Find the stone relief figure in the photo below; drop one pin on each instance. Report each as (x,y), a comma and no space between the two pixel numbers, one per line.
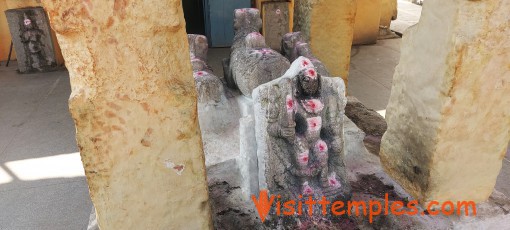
(251,62)
(294,45)
(299,134)
(31,37)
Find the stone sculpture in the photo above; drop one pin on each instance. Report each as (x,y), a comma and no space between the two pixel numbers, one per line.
(299,134)
(213,107)
(294,45)
(251,62)
(209,87)
(32,39)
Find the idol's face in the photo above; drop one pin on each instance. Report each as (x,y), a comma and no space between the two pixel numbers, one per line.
(309,81)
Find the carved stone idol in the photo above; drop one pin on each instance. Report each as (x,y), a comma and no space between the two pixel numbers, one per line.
(294,45)
(32,40)
(252,62)
(299,134)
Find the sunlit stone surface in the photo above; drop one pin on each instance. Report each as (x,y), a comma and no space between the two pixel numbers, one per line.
(449,113)
(134,105)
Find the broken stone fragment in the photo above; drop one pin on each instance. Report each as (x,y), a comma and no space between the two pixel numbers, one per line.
(368,120)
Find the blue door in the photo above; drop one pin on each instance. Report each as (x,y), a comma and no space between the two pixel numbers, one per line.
(219,20)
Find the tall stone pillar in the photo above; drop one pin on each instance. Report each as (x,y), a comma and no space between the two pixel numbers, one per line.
(134,105)
(449,112)
(329,26)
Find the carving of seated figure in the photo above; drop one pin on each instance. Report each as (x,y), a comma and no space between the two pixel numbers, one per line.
(304,123)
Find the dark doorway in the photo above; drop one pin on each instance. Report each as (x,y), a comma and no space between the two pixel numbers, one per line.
(194,15)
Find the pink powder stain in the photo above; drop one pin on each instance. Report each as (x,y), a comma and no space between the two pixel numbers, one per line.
(200,74)
(314,123)
(307,190)
(313,105)
(290,103)
(311,73)
(333,181)
(266,51)
(306,64)
(255,34)
(303,158)
(27,22)
(321,146)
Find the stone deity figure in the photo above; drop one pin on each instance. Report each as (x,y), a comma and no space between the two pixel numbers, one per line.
(31,36)
(303,153)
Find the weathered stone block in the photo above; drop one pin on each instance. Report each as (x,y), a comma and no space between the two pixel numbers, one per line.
(329,26)
(276,22)
(134,106)
(448,115)
(368,120)
(31,37)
